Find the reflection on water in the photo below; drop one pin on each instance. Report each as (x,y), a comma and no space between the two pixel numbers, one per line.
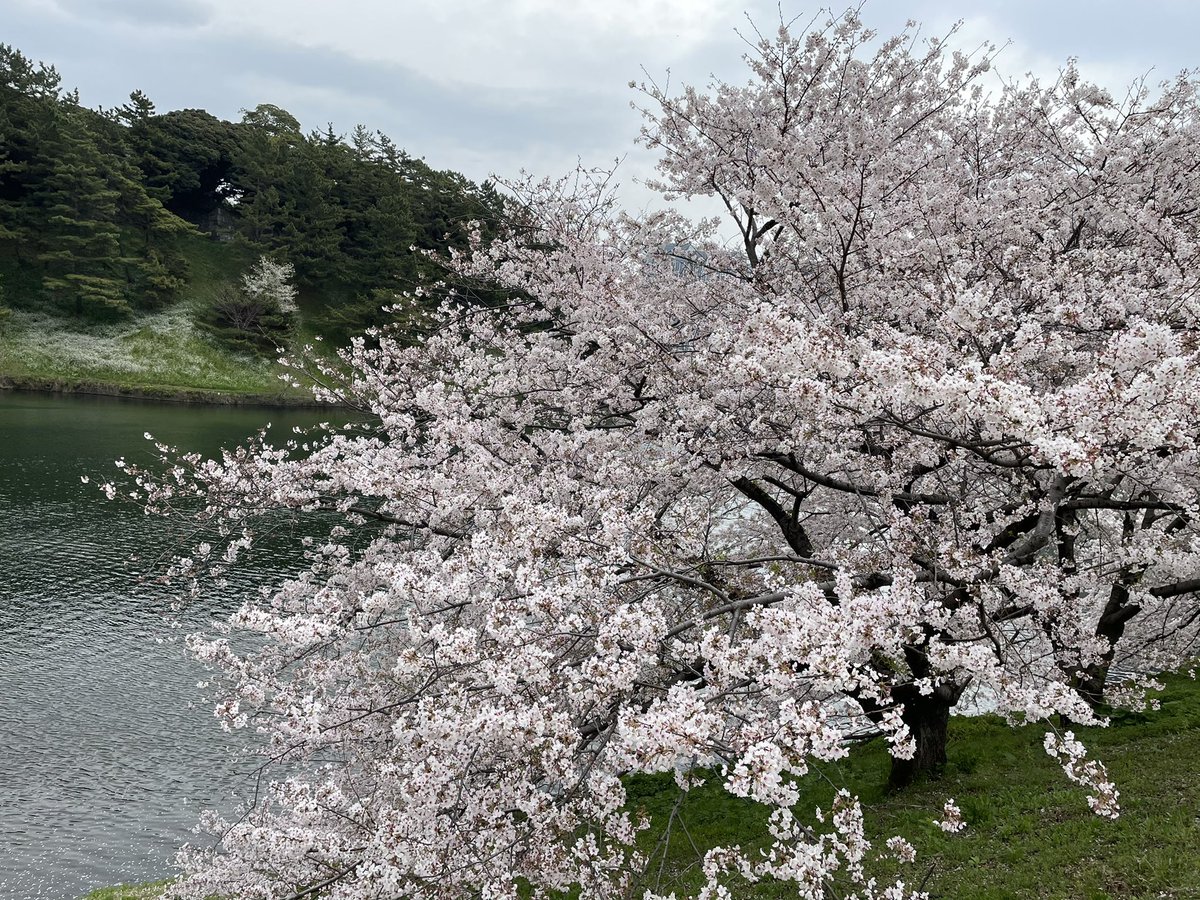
(107,750)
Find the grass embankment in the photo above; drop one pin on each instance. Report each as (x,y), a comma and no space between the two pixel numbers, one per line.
(1029,831)
(161,355)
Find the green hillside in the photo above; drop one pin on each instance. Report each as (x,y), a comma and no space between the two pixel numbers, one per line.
(163,350)
(126,236)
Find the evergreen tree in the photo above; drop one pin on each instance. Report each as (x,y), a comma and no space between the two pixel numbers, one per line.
(74,207)
(79,246)
(139,109)
(313,230)
(154,269)
(5,312)
(92,204)
(266,147)
(186,158)
(29,98)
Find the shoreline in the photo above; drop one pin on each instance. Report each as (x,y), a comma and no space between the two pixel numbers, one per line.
(156,393)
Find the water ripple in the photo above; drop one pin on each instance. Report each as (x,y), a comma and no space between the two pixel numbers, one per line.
(107,750)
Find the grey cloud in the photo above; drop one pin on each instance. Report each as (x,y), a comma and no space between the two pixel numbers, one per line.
(476,132)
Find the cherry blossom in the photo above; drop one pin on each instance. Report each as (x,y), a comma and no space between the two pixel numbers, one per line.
(951,820)
(927,433)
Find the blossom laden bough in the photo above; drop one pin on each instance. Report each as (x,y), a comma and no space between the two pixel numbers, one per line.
(1089,773)
(928,432)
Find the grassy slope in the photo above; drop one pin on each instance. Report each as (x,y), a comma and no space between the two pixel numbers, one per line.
(1029,832)
(162,350)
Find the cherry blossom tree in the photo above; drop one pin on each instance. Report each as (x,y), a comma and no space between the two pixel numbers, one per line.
(927,431)
(260,314)
(271,282)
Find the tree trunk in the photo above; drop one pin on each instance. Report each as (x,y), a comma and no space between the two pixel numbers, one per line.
(928,719)
(1090,682)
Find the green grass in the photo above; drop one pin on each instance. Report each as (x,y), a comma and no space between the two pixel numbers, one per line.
(163,350)
(1029,831)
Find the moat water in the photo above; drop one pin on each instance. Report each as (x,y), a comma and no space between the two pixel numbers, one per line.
(108,750)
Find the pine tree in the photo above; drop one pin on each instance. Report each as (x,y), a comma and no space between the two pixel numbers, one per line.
(186,158)
(79,247)
(29,98)
(138,110)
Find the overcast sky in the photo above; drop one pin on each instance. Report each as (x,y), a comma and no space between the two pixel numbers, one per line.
(494,86)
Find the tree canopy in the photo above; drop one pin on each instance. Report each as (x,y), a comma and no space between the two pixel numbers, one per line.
(93,203)
(72,205)
(926,433)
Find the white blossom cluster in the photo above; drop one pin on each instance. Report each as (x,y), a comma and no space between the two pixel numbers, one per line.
(931,427)
(271,282)
(1086,772)
(951,821)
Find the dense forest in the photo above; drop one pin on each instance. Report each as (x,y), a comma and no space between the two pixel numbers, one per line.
(100,209)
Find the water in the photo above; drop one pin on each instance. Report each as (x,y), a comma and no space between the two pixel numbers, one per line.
(107,750)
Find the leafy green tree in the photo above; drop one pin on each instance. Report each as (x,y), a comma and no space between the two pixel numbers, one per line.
(272,120)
